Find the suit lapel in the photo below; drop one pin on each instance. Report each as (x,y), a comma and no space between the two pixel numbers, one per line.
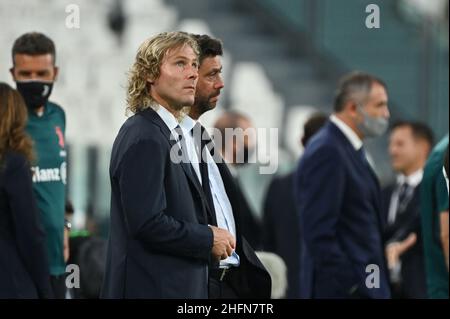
(151,115)
(365,169)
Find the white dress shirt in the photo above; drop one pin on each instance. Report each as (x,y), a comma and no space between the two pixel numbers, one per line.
(412,180)
(187,125)
(168,118)
(222,205)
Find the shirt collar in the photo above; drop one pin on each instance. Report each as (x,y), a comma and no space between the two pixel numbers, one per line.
(348,132)
(188,123)
(167,117)
(412,180)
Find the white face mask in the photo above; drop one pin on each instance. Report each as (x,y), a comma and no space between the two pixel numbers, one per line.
(372,126)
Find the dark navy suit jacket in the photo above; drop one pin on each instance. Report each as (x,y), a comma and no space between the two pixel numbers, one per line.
(339,202)
(159,244)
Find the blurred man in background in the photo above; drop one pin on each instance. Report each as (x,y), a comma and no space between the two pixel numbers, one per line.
(280,222)
(434,217)
(409,146)
(34,71)
(338,197)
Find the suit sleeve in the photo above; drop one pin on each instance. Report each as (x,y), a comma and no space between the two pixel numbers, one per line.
(322,185)
(30,236)
(141,182)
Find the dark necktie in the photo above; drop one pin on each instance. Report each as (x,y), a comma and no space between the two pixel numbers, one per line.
(204,172)
(182,152)
(403,197)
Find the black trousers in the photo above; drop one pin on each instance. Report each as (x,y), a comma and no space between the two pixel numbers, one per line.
(220,290)
(220,284)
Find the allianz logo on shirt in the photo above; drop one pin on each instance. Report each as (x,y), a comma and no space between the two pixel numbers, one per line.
(50,174)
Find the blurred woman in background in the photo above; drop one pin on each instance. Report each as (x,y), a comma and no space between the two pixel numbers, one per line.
(24,270)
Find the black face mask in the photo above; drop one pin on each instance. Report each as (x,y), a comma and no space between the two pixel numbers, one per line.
(35,93)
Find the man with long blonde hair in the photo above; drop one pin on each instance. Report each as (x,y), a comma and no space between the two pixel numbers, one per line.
(160,243)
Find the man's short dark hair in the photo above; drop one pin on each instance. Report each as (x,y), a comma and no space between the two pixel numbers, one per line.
(313,125)
(419,130)
(355,86)
(209,47)
(33,43)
